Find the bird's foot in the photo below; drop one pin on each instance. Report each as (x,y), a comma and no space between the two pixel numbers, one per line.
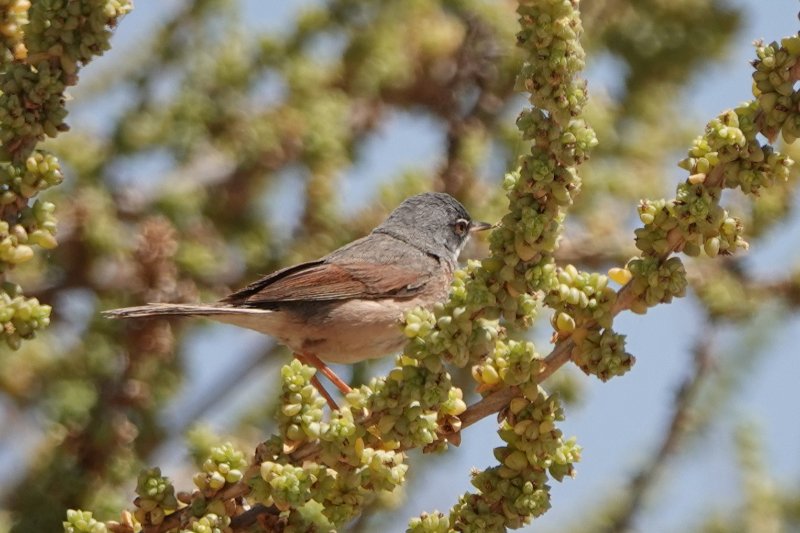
(317,363)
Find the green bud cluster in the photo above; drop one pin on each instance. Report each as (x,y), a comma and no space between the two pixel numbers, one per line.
(20,317)
(464,331)
(408,404)
(156,497)
(547,179)
(727,155)
(602,353)
(288,486)
(521,263)
(458,331)
(521,266)
(533,440)
(512,363)
(580,297)
(36,227)
(210,523)
(300,416)
(13,244)
(82,522)
(224,465)
(516,490)
(376,470)
(762,167)
(773,86)
(40,171)
(342,488)
(13,16)
(583,304)
(44,44)
(550,32)
(570,146)
(348,471)
(730,140)
(435,522)
(73,32)
(655,281)
(31,103)
(340,428)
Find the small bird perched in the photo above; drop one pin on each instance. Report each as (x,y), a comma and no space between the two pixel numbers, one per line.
(346,307)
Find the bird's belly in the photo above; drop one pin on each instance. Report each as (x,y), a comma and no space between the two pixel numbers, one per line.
(352,331)
(337,332)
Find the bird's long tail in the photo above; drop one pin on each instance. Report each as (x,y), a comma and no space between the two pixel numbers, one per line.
(164,309)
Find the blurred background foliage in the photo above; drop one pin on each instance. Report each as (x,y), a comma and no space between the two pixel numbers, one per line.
(211,151)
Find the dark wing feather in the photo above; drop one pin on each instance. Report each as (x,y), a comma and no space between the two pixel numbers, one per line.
(320,281)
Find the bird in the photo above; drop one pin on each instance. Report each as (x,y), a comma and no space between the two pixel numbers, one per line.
(347,306)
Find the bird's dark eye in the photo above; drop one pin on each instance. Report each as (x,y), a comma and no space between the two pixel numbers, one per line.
(461,226)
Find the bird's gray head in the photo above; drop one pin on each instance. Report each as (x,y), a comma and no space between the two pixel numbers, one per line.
(433,222)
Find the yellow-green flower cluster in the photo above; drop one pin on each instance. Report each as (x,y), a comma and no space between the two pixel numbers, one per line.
(342,487)
(511,363)
(583,304)
(20,317)
(82,522)
(13,16)
(435,522)
(40,171)
(730,140)
(408,404)
(516,490)
(300,416)
(36,227)
(352,464)
(655,281)
(210,523)
(774,78)
(580,297)
(156,497)
(225,464)
(601,353)
(532,437)
(547,179)
(462,330)
(521,266)
(44,44)
(73,31)
(521,262)
(340,428)
(13,244)
(31,103)
(550,31)
(288,486)
(727,155)
(376,470)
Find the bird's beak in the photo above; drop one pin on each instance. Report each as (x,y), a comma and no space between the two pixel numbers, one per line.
(480,226)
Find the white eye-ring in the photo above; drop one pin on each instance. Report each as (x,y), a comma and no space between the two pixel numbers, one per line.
(461,227)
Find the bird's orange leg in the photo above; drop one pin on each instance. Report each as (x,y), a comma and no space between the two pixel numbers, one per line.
(317,363)
(324,393)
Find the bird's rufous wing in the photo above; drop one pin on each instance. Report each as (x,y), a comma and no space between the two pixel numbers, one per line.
(320,281)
